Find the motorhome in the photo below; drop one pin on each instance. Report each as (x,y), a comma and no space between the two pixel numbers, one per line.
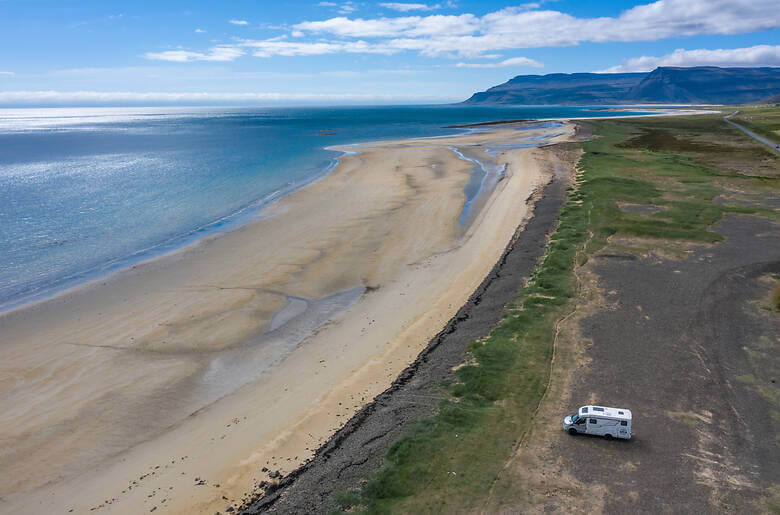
(599,420)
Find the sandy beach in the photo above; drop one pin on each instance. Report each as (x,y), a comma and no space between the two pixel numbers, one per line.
(173,384)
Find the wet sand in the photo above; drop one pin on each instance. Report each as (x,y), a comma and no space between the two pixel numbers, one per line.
(358,449)
(250,348)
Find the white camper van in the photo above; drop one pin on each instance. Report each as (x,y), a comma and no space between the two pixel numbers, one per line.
(598,420)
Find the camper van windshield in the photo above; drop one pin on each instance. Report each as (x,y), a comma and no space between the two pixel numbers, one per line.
(575,417)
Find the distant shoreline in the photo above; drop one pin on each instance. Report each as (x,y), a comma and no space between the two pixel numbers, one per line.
(481,124)
(643,111)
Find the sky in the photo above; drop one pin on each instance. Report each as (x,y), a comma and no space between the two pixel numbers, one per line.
(292,52)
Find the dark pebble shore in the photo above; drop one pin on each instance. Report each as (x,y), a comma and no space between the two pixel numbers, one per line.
(359,448)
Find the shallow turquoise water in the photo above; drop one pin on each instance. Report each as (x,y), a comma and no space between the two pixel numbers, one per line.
(84,192)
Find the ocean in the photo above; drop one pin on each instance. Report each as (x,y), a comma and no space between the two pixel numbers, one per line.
(85,192)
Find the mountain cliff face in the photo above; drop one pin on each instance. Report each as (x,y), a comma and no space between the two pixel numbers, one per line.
(561,88)
(697,85)
(707,85)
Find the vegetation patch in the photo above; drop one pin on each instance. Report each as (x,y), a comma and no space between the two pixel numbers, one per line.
(660,140)
(450,461)
(761,120)
(691,419)
(642,209)
(776,295)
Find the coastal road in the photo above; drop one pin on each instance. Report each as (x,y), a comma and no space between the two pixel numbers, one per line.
(771,144)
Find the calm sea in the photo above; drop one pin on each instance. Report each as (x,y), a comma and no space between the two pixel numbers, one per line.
(84,192)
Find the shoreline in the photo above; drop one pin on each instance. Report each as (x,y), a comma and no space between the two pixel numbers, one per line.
(107,271)
(247,214)
(647,111)
(359,447)
(159,365)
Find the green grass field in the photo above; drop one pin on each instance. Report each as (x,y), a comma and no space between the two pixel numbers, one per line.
(656,181)
(761,120)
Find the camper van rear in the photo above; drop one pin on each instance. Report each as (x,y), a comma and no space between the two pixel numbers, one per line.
(600,420)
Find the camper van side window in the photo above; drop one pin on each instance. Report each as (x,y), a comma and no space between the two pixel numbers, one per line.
(623,423)
(594,421)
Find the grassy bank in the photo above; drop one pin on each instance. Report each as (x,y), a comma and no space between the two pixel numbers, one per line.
(761,120)
(656,182)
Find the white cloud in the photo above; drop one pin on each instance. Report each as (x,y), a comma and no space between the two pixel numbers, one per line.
(7,74)
(200,31)
(410,26)
(525,26)
(217,53)
(759,55)
(129,97)
(402,7)
(217,70)
(269,48)
(343,8)
(514,61)
(272,47)
(528,27)
(239,22)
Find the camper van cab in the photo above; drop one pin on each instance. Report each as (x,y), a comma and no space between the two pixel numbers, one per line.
(598,420)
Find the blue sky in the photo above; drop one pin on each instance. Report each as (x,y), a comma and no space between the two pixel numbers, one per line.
(296,52)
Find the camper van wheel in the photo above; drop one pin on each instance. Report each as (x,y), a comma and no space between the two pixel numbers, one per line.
(572,431)
(608,436)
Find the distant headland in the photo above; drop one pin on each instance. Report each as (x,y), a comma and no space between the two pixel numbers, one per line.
(664,85)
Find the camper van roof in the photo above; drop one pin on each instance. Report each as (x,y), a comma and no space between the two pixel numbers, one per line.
(603,411)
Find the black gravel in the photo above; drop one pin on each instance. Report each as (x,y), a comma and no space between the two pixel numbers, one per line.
(359,448)
(680,341)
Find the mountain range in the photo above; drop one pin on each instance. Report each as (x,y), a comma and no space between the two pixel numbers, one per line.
(664,85)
